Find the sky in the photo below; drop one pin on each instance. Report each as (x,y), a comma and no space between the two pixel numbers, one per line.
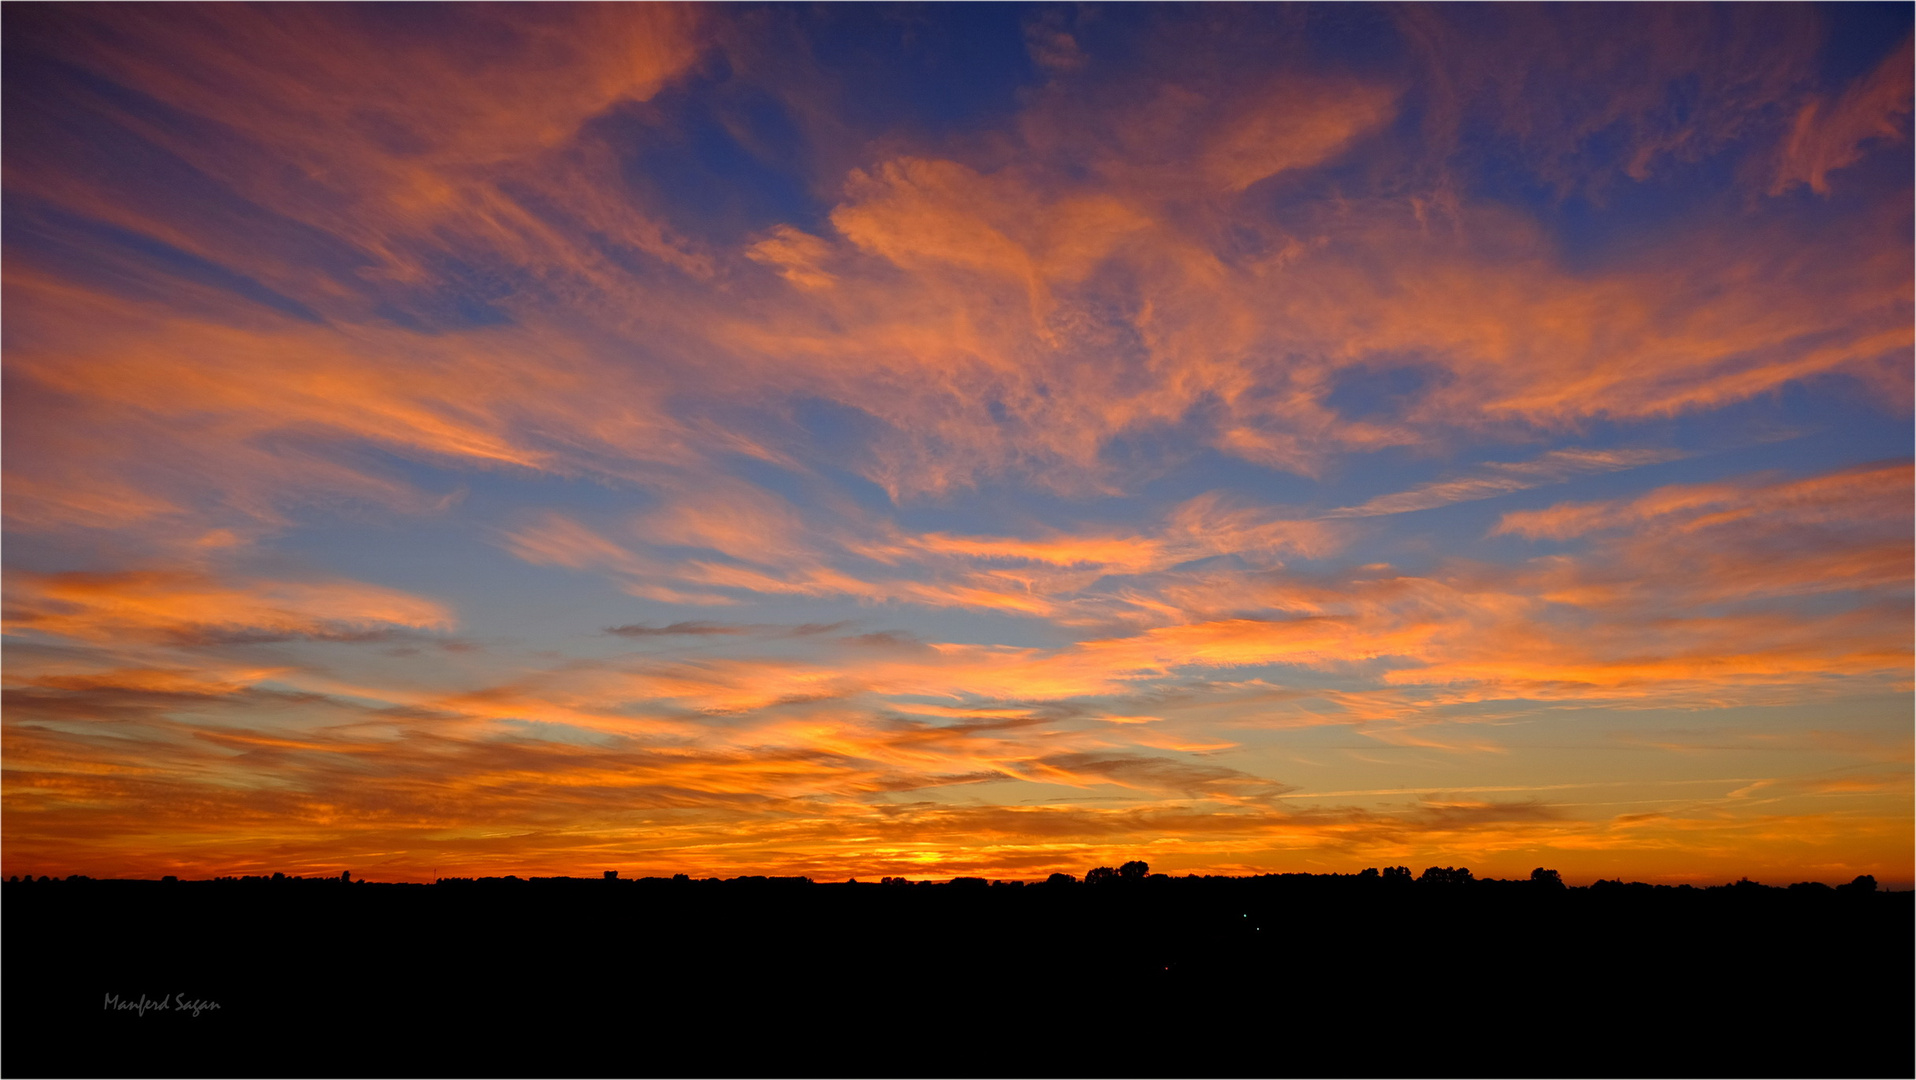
(927,441)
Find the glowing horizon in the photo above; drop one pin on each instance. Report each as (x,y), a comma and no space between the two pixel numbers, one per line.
(965,441)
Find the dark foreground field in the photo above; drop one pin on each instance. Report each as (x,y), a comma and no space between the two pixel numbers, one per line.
(1270,976)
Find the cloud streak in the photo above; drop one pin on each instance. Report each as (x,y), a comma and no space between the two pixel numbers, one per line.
(1500,478)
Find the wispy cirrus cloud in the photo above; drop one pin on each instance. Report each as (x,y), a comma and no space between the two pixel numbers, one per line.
(1831,134)
(1501,478)
(189,607)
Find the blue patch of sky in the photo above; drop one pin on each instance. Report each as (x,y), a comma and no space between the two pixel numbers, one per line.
(1383,388)
(721,160)
(468,292)
(1361,36)
(933,69)
(837,432)
(1857,36)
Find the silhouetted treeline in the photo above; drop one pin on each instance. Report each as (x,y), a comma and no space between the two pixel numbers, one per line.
(1123,973)
(1134,872)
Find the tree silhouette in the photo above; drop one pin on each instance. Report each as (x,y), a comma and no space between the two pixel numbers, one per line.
(1548,879)
(1100,875)
(1061,879)
(1135,870)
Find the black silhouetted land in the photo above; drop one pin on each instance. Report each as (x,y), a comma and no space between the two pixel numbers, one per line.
(1124,974)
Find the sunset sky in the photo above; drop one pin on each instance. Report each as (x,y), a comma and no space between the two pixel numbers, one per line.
(934,441)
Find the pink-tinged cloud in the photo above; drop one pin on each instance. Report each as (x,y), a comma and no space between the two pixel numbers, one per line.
(1833,134)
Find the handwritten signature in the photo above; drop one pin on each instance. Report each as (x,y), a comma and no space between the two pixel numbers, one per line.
(176,1003)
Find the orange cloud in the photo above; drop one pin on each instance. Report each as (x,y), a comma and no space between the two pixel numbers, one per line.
(183,606)
(1833,134)
(1297,126)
